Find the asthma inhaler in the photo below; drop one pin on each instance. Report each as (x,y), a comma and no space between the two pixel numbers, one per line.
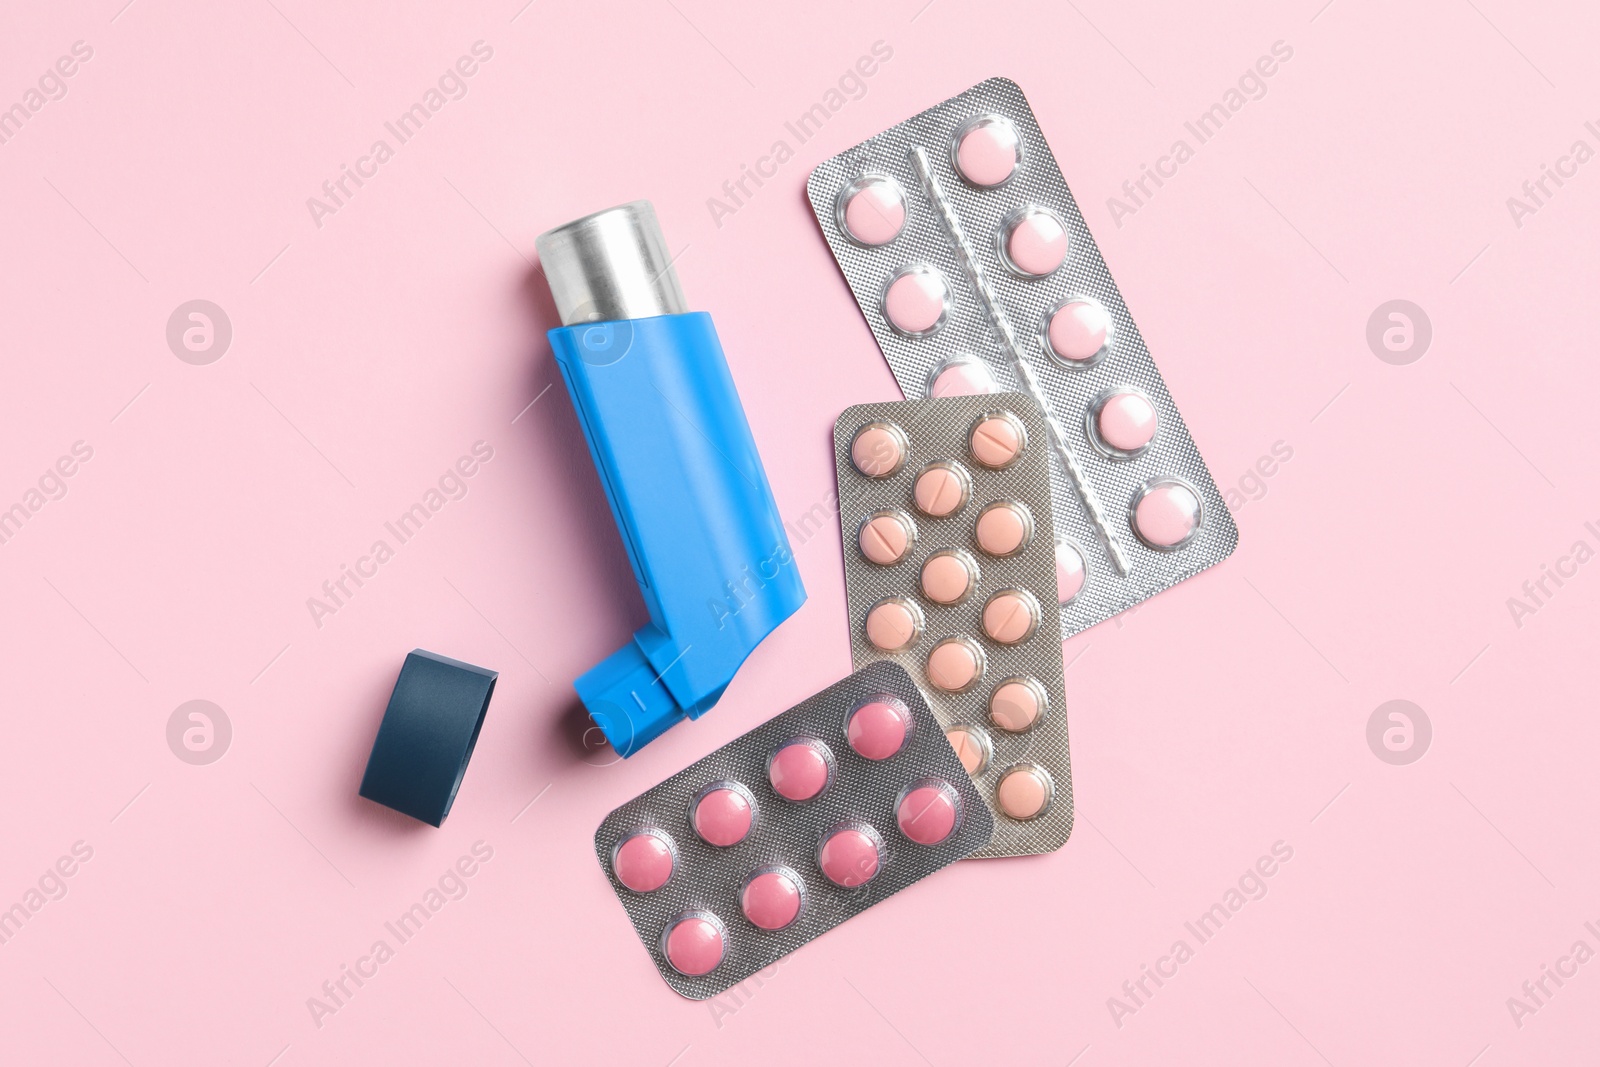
(680,470)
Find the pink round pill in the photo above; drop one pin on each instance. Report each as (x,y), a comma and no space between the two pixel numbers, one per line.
(878,449)
(873,210)
(1024,791)
(997,440)
(695,944)
(988,150)
(878,729)
(1035,242)
(1016,704)
(1126,422)
(886,537)
(772,897)
(941,489)
(964,377)
(1166,514)
(644,861)
(917,301)
(1069,571)
(928,812)
(1078,331)
(851,856)
(723,814)
(948,576)
(955,664)
(1010,616)
(1004,528)
(800,769)
(894,624)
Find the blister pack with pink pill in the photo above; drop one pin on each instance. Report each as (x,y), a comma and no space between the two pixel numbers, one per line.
(976,272)
(950,571)
(791,829)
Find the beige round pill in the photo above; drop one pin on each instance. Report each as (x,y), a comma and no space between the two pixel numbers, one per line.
(941,489)
(1017,704)
(955,664)
(1004,528)
(948,576)
(894,624)
(997,440)
(1024,791)
(886,536)
(1010,616)
(879,449)
(971,745)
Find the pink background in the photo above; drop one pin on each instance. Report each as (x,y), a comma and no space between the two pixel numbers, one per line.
(368,354)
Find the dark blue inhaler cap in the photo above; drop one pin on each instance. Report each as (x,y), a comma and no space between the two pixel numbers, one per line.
(427,735)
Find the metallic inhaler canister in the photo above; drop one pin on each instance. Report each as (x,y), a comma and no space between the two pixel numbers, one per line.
(675,455)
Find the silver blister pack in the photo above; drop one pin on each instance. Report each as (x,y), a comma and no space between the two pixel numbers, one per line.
(815,816)
(931,495)
(949,229)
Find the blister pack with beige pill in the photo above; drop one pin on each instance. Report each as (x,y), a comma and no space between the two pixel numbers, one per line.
(976,272)
(949,556)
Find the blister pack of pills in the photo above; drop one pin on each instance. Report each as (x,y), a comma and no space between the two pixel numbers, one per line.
(950,571)
(788,831)
(973,266)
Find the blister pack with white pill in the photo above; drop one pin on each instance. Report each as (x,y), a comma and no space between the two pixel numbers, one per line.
(976,272)
(788,831)
(950,571)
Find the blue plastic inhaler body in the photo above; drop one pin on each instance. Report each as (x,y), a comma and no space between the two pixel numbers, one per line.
(680,469)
